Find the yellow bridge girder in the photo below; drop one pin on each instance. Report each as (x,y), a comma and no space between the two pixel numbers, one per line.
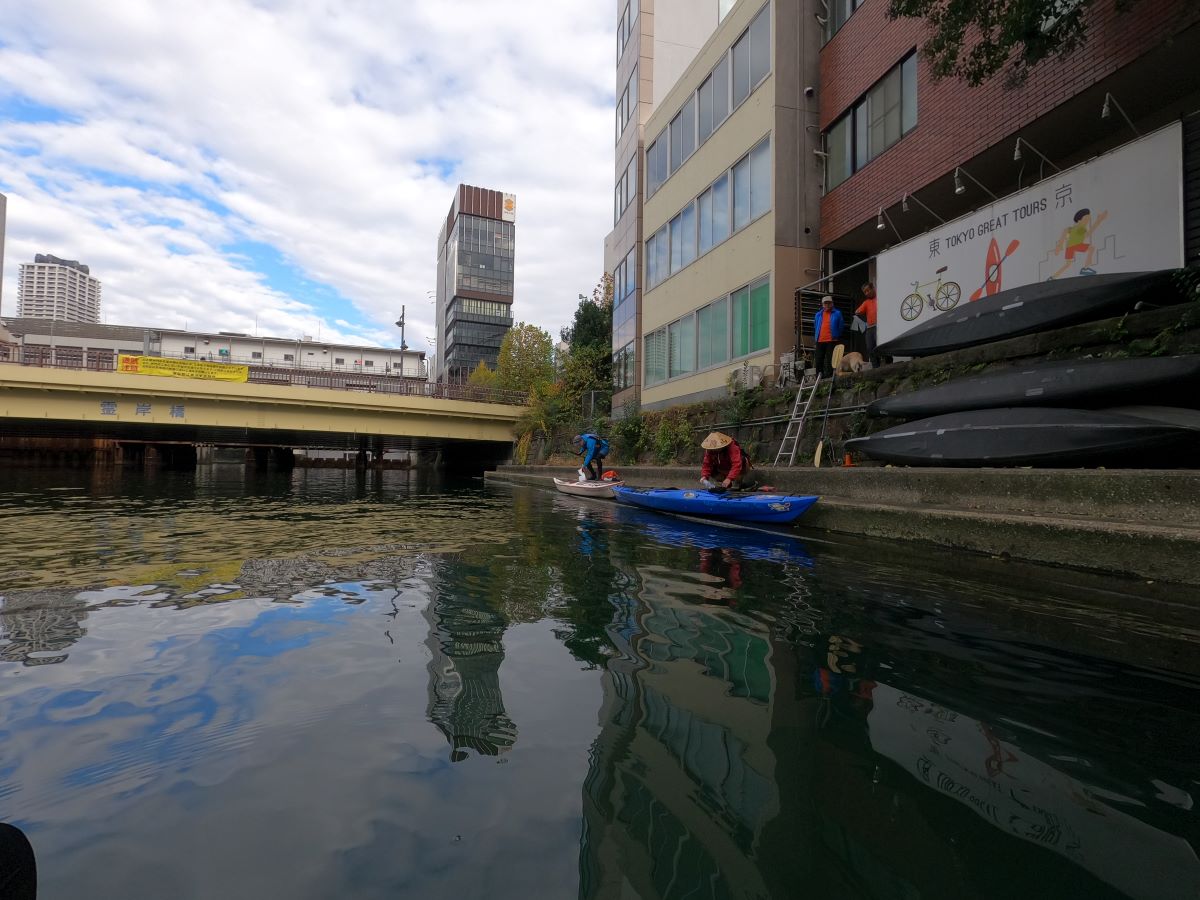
(83,396)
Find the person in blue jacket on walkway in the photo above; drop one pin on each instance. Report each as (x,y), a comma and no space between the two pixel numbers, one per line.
(827,330)
(595,448)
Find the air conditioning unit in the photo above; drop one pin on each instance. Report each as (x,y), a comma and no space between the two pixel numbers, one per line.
(746,377)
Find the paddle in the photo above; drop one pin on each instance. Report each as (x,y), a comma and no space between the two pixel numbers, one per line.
(838,352)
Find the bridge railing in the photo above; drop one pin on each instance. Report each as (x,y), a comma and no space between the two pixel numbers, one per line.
(316,378)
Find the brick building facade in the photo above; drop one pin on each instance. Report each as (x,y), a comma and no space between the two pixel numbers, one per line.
(1146,58)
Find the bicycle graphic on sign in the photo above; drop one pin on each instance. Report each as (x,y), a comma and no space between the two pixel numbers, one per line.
(945,295)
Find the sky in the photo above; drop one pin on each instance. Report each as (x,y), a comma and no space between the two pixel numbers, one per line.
(284,166)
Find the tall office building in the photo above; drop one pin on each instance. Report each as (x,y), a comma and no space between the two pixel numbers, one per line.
(475,281)
(61,289)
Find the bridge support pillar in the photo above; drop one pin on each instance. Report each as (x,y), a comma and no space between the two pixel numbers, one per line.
(283,459)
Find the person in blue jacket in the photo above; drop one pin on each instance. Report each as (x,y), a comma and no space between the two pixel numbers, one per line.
(827,331)
(595,448)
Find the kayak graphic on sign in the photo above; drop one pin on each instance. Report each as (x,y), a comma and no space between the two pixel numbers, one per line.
(993,268)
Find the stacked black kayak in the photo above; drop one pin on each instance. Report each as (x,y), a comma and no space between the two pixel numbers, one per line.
(1036,436)
(1074,413)
(1080,383)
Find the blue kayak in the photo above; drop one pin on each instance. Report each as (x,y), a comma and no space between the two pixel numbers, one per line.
(765,508)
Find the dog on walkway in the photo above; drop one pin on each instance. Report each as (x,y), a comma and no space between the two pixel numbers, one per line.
(852,362)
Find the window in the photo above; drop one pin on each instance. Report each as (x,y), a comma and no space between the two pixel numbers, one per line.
(189,349)
(289,357)
(741,193)
(256,354)
(655,356)
(839,11)
(688,115)
(662,253)
(720,204)
(369,364)
(627,103)
(741,70)
(676,143)
(339,360)
(705,216)
(625,27)
(682,338)
(625,190)
(760,179)
(760,47)
(623,368)
(688,253)
(676,244)
(838,149)
(751,308)
(713,334)
(656,162)
(882,117)
(704,109)
(908,94)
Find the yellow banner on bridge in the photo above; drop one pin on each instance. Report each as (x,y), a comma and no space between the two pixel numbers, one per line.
(182,368)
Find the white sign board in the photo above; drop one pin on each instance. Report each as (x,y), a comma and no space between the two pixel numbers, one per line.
(1121,212)
(509,211)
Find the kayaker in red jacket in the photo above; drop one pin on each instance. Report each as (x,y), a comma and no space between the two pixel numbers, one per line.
(725,463)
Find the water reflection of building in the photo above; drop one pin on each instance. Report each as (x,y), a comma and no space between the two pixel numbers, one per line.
(37,626)
(466,650)
(682,788)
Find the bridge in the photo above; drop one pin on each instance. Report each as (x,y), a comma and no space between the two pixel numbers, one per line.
(43,402)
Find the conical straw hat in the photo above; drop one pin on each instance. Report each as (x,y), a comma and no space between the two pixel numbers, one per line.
(716,440)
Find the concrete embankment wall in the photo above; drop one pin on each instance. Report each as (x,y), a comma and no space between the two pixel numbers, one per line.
(1130,522)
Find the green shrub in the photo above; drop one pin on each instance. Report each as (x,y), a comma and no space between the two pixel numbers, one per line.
(672,438)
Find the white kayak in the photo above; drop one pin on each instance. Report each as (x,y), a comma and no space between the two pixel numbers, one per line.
(600,489)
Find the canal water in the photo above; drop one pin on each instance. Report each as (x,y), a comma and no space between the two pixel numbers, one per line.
(327,684)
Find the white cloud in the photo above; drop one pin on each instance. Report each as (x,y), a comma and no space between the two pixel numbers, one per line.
(318,127)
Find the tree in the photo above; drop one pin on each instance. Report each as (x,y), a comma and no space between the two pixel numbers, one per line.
(592,326)
(482,376)
(525,360)
(975,39)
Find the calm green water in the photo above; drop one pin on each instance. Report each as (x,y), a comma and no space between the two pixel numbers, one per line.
(323,685)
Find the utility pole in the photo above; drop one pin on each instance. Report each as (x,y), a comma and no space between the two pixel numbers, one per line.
(400,325)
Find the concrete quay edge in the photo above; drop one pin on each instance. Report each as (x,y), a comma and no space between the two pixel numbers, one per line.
(1137,523)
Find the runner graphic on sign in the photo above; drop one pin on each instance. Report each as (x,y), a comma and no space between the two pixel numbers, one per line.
(1079,239)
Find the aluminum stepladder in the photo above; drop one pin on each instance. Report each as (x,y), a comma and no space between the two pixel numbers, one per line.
(795,428)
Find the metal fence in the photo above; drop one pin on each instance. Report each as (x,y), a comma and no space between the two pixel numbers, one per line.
(74,358)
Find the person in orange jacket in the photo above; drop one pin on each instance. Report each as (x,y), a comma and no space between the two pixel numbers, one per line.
(867,309)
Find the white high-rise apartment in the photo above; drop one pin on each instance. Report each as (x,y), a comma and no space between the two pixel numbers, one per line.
(61,289)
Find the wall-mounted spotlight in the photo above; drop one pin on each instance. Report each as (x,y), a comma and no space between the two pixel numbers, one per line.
(879,226)
(959,187)
(1106,112)
(921,203)
(1039,153)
